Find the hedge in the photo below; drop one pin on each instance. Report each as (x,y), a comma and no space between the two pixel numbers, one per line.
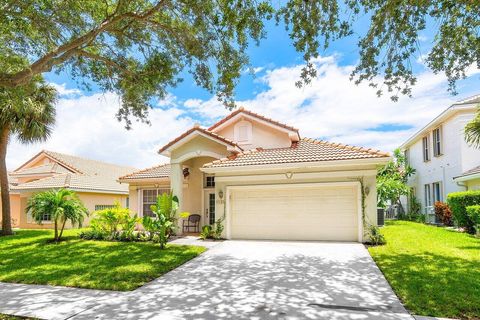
(473,213)
(458,202)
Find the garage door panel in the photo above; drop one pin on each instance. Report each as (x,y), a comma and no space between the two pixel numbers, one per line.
(292,213)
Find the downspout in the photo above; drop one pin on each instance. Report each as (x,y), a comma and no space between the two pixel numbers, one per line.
(460,184)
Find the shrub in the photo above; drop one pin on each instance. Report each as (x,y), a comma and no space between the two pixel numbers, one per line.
(217,233)
(443,213)
(375,237)
(207,232)
(92,234)
(458,201)
(115,223)
(473,213)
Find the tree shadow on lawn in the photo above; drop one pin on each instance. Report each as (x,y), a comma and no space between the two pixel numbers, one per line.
(434,285)
(88,264)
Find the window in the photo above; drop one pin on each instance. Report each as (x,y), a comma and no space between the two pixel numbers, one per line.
(46,217)
(127,202)
(437,142)
(150,198)
(209,182)
(426,149)
(103,206)
(428,196)
(437,191)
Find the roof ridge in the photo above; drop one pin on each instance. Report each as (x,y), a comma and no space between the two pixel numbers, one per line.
(49,153)
(144,170)
(254,114)
(347,146)
(52,154)
(467,99)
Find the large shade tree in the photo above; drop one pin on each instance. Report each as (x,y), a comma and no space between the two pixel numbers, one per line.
(27,112)
(140,48)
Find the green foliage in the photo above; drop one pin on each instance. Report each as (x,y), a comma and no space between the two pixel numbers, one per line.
(415,206)
(164,224)
(472,131)
(392,180)
(473,213)
(375,237)
(115,223)
(458,202)
(62,205)
(443,213)
(207,232)
(218,228)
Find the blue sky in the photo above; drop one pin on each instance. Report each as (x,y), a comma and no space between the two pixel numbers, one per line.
(330,108)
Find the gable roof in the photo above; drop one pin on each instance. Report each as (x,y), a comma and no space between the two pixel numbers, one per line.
(306,150)
(74,172)
(470,104)
(156,172)
(254,115)
(473,173)
(197,128)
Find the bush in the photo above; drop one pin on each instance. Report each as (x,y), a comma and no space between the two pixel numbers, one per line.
(207,232)
(92,234)
(458,202)
(115,223)
(443,213)
(375,237)
(473,213)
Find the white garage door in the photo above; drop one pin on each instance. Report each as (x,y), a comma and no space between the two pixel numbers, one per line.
(294,212)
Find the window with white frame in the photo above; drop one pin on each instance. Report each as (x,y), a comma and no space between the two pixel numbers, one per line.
(426,149)
(428,196)
(103,206)
(209,181)
(149,198)
(437,142)
(437,191)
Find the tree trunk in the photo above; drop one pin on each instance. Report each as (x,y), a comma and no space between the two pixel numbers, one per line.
(61,231)
(56,230)
(4,187)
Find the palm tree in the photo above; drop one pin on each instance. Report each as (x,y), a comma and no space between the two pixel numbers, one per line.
(472,131)
(60,205)
(28,112)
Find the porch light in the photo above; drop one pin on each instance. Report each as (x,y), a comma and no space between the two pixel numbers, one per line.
(220,194)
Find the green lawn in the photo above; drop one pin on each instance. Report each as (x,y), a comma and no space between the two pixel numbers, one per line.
(8,317)
(434,271)
(27,258)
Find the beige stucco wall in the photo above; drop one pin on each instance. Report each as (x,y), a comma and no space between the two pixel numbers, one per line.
(197,147)
(473,184)
(14,209)
(368,174)
(262,136)
(89,200)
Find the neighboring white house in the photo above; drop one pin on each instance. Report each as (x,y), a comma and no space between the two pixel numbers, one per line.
(443,161)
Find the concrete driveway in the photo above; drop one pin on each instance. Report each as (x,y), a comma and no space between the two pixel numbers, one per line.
(256,280)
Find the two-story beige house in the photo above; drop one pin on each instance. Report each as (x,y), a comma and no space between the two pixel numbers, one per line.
(265,180)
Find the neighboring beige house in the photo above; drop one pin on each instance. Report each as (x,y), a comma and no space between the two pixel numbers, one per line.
(94,181)
(443,161)
(265,180)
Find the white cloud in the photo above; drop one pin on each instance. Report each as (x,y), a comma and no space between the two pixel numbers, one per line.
(331,107)
(63,91)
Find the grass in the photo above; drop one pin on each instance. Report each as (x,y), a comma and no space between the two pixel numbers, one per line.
(433,270)
(27,257)
(9,317)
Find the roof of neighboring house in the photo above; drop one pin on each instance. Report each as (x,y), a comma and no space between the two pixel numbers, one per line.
(202,130)
(160,171)
(43,169)
(74,172)
(253,114)
(306,150)
(469,174)
(470,104)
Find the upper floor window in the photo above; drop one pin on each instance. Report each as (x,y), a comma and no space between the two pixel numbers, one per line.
(242,132)
(437,142)
(426,149)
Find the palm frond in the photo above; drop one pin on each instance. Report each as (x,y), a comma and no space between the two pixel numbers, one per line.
(472,131)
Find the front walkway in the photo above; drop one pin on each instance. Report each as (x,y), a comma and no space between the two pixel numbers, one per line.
(234,279)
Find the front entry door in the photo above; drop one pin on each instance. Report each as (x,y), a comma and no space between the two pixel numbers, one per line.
(209,207)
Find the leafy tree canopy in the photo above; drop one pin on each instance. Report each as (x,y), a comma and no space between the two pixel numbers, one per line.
(138,48)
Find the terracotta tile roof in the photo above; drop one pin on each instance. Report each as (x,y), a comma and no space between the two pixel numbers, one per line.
(306,150)
(51,168)
(76,173)
(470,172)
(253,114)
(160,171)
(205,131)
(77,182)
(469,100)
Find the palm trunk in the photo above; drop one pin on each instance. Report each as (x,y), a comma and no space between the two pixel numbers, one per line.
(4,187)
(61,231)
(56,230)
